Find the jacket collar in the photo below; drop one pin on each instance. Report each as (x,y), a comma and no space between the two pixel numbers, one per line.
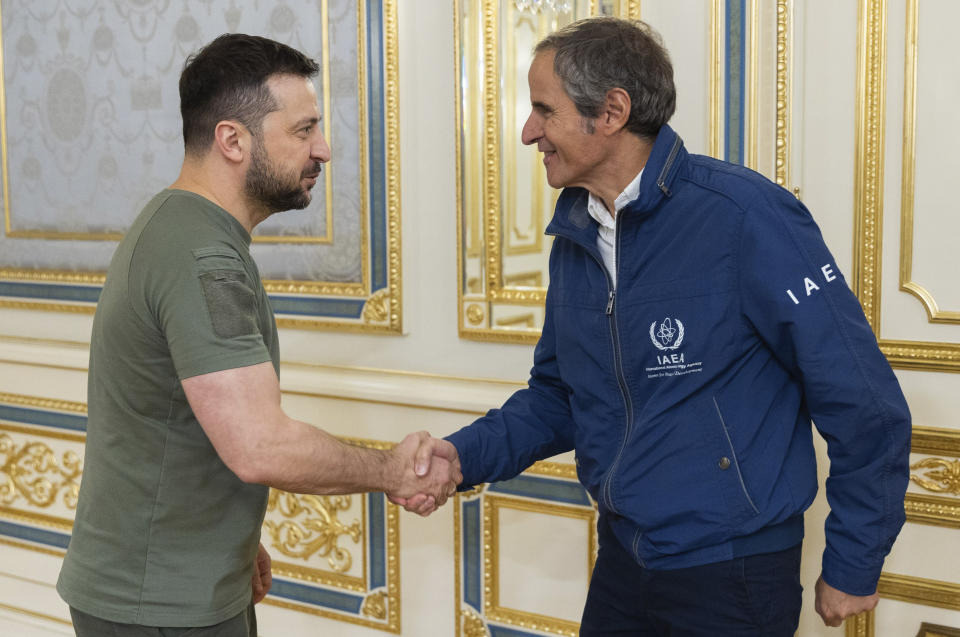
(570,218)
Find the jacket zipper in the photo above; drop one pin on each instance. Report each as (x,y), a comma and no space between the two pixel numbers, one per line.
(607,492)
(667,165)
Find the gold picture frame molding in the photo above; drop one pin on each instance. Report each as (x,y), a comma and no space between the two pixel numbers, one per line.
(383,310)
(868,211)
(866,283)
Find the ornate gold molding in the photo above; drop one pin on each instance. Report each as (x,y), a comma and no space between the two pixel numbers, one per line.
(907,189)
(377,308)
(630,9)
(784,93)
(554,469)
(493,610)
(52,404)
(392,324)
(938,475)
(905,588)
(932,510)
(862,625)
(391,50)
(480,43)
(375,605)
(526,320)
(918,590)
(934,357)
(753,92)
(934,440)
(475,314)
(31,471)
(472,624)
(274,286)
(868,221)
(933,630)
(312,527)
(53,276)
(936,510)
(868,225)
(716,78)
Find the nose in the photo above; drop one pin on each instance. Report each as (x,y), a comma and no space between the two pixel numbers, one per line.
(532,129)
(320,150)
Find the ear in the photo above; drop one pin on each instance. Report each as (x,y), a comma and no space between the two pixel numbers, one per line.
(231,139)
(616,111)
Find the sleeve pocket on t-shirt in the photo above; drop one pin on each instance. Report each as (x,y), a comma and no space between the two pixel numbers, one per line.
(231,302)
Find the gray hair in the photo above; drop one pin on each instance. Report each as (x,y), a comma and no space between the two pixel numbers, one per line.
(596,55)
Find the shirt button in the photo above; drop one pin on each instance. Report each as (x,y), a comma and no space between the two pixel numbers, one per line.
(724,463)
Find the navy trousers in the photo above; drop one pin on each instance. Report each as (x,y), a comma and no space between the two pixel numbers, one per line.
(753,596)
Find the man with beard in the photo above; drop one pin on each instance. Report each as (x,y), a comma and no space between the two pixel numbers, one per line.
(185,431)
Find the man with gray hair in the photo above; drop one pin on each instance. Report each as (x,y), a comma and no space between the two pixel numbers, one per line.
(695,325)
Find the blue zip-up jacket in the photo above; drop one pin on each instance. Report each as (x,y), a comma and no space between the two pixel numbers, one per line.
(688,391)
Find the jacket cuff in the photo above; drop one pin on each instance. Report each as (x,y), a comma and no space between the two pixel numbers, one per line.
(461,440)
(848,579)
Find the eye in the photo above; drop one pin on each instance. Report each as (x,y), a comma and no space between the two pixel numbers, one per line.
(306,131)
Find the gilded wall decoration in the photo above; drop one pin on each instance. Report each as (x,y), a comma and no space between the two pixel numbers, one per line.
(549,489)
(937,474)
(375,605)
(909,211)
(866,282)
(333,556)
(91,130)
(869,184)
(41,450)
(311,527)
(934,630)
(33,472)
(472,625)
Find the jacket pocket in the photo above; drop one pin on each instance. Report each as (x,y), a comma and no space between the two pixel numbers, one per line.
(729,462)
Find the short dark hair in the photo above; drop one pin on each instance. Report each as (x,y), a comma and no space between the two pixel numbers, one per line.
(596,55)
(226,80)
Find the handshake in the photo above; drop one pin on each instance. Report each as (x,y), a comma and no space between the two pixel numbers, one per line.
(425,470)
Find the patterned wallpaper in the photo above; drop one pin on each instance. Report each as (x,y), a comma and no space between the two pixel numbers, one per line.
(93,128)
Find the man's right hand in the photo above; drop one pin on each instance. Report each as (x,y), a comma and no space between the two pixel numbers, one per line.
(428,470)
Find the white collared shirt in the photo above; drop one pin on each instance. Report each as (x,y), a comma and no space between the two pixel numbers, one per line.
(607,228)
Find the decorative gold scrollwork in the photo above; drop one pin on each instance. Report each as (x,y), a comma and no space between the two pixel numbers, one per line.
(475,314)
(317,533)
(377,307)
(375,605)
(473,625)
(940,475)
(33,473)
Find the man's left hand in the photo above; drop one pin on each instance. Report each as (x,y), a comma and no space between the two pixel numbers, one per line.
(834,605)
(262,576)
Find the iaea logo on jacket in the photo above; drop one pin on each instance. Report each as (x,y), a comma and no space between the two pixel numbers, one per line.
(666,336)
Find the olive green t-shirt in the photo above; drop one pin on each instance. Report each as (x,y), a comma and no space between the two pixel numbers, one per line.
(165,534)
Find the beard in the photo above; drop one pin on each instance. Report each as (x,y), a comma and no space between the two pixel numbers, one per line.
(276,191)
